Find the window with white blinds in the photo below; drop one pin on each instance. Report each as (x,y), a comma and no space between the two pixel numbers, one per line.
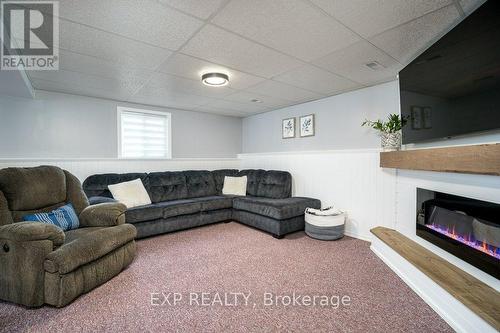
(143,133)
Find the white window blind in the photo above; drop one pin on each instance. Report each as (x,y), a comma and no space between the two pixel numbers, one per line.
(144,134)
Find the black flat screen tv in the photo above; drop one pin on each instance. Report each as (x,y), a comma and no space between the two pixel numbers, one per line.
(453,88)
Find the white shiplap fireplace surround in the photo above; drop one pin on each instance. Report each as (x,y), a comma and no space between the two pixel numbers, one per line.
(353,181)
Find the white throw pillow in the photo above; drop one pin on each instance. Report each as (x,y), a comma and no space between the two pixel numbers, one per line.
(235,185)
(131,194)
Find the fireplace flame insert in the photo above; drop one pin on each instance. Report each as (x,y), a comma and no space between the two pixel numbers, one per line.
(467,228)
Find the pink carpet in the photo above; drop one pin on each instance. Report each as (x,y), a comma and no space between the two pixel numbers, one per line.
(232,258)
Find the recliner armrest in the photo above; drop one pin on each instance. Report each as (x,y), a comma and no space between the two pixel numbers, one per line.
(32,231)
(103,215)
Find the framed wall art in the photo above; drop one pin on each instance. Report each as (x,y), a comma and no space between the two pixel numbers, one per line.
(288,128)
(306,124)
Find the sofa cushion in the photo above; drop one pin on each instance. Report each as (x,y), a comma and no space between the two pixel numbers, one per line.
(219,177)
(215,202)
(88,247)
(275,184)
(71,235)
(279,209)
(97,185)
(165,186)
(174,208)
(180,207)
(144,213)
(253,179)
(200,184)
(29,189)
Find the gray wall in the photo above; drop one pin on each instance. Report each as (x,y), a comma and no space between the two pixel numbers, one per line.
(66,126)
(15,83)
(338,123)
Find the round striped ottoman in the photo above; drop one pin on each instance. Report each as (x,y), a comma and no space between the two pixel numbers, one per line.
(324,227)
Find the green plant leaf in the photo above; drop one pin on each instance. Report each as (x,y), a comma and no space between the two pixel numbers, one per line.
(393,124)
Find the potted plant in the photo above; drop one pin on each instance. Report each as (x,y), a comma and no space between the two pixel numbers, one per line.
(390,130)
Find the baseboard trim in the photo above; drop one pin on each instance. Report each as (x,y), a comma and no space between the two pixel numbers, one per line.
(457,315)
(358,236)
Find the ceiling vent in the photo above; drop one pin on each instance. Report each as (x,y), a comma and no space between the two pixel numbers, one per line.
(376,66)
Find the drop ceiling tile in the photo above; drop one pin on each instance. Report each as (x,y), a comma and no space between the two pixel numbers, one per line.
(124,86)
(187,86)
(291,26)
(69,87)
(192,68)
(107,46)
(167,98)
(147,21)
(409,40)
(202,9)
(76,62)
(317,80)
(470,5)
(222,47)
(223,112)
(284,91)
(238,108)
(265,101)
(369,18)
(351,63)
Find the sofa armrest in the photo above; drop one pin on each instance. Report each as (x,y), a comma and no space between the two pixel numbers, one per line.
(32,231)
(99,200)
(103,215)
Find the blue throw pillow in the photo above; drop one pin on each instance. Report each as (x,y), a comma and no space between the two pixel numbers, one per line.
(63,217)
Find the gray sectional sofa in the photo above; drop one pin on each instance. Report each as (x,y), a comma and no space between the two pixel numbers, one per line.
(186,199)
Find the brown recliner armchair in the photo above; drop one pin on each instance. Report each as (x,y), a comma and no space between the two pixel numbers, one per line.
(39,263)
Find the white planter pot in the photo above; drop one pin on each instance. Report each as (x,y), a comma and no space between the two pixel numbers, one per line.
(391,141)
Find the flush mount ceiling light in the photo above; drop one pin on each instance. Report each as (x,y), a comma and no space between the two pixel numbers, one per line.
(215,79)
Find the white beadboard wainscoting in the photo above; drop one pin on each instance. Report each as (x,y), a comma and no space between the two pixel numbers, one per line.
(82,168)
(350,180)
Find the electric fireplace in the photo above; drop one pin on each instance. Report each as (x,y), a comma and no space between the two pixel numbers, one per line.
(467,228)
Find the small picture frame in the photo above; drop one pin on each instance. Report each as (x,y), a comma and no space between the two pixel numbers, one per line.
(416,117)
(427,117)
(306,124)
(288,128)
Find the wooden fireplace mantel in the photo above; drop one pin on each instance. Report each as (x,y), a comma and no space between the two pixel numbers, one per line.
(478,159)
(480,298)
